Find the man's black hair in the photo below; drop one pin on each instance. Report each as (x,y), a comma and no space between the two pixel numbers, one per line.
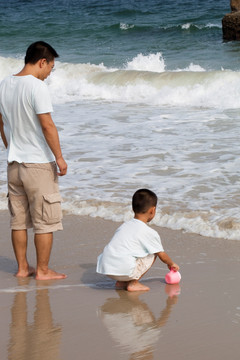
(143,200)
(40,50)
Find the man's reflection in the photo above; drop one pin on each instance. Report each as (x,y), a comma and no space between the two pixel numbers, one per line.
(132,324)
(34,340)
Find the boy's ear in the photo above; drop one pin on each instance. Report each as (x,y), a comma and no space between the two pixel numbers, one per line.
(152,210)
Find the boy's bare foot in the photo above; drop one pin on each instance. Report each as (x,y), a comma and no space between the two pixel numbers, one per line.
(135,285)
(25,273)
(50,275)
(121,285)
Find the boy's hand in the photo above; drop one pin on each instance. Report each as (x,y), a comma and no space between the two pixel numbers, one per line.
(174,267)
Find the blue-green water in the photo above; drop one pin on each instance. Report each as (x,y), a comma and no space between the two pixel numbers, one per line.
(114,32)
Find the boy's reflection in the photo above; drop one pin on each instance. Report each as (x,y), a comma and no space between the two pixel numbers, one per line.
(131,323)
(39,339)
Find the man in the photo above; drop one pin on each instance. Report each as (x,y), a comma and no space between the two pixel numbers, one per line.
(34,154)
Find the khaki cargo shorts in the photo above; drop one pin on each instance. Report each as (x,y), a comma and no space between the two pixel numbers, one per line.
(34,200)
(142,266)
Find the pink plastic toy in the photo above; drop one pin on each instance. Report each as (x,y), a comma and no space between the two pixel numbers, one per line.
(173,277)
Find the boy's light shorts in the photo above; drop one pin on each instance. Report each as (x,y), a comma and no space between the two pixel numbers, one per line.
(33,197)
(142,266)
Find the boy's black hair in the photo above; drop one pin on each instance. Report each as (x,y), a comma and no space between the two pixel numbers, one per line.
(143,200)
(40,50)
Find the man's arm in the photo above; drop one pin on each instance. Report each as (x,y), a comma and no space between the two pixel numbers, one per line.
(2,132)
(51,135)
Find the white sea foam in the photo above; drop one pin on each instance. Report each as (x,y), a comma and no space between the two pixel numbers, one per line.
(9,66)
(151,62)
(187,26)
(193,67)
(124,26)
(142,80)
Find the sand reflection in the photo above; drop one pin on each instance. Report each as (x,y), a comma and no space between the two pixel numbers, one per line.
(131,323)
(34,339)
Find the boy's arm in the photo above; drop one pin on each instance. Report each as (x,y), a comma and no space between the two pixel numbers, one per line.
(2,132)
(167,260)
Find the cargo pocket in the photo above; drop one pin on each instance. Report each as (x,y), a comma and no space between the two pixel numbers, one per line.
(52,212)
(10,206)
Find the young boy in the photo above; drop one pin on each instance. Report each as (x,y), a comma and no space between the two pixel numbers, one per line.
(134,246)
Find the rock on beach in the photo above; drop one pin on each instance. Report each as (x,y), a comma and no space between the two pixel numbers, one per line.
(231,22)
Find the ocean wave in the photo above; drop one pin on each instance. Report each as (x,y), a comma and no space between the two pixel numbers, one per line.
(124,26)
(144,79)
(155,28)
(131,12)
(204,223)
(191,86)
(151,62)
(189,26)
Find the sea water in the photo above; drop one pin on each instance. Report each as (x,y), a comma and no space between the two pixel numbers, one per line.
(146,94)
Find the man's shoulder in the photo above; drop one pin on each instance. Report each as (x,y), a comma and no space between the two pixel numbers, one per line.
(27,80)
(33,80)
(5,80)
(34,86)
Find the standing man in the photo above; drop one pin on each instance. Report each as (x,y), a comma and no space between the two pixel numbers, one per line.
(34,159)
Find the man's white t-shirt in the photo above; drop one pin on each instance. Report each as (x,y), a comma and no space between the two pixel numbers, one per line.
(21,99)
(133,239)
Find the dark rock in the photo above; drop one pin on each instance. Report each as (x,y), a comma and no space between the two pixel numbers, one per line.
(231,22)
(235,5)
(231,26)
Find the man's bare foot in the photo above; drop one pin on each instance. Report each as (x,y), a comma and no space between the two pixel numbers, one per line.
(26,273)
(121,285)
(50,275)
(135,285)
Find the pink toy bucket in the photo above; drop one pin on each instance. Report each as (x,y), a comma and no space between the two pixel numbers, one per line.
(173,277)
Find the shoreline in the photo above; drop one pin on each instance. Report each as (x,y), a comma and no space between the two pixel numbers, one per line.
(204,308)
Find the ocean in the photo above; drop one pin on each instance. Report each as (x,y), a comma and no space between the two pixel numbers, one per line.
(146,94)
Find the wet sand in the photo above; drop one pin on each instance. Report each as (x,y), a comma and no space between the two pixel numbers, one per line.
(84,317)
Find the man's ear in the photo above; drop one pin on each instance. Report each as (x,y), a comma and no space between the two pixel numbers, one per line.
(42,62)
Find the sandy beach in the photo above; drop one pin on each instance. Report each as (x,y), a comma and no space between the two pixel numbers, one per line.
(84,317)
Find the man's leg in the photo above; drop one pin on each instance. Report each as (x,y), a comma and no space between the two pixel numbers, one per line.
(43,243)
(19,241)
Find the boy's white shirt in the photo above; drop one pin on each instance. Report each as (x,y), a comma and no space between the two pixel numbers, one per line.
(133,239)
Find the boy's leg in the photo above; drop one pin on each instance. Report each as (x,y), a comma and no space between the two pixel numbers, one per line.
(132,283)
(43,244)
(143,265)
(135,285)
(121,285)
(19,242)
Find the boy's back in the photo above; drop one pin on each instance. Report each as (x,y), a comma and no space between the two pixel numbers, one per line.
(133,239)
(135,246)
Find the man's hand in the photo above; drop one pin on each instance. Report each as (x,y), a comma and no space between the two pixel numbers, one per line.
(62,165)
